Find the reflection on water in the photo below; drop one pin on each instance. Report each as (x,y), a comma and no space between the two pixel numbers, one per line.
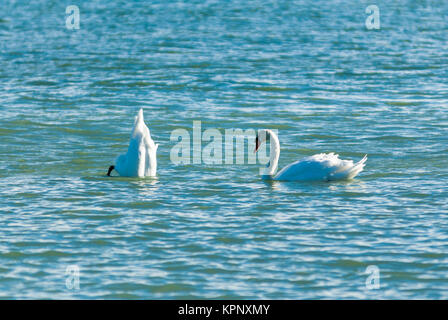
(146,186)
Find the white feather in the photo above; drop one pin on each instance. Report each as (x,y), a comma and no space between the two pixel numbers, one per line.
(320,167)
(323,167)
(140,160)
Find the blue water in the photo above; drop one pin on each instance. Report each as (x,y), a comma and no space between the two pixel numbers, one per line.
(310,69)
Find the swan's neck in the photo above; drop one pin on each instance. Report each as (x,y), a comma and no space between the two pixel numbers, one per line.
(272,167)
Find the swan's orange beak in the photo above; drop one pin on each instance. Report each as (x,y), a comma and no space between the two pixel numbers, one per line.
(257,144)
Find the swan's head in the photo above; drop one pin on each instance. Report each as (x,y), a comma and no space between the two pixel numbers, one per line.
(263,135)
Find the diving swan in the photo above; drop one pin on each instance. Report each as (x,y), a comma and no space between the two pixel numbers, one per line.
(320,167)
(140,160)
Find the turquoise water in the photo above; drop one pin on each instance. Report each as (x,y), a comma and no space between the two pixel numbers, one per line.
(309,69)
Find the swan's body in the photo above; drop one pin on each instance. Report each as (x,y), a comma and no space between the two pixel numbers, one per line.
(320,167)
(140,160)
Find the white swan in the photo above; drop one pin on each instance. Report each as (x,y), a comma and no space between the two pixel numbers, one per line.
(320,167)
(140,160)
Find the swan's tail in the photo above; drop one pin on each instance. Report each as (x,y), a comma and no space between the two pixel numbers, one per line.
(357,168)
(139,117)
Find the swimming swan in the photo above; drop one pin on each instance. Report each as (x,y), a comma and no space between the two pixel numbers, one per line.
(320,167)
(140,160)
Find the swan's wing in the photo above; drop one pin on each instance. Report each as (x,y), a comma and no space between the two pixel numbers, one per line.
(323,166)
(350,171)
(316,167)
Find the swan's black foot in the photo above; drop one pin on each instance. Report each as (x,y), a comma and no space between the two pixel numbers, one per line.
(110,170)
